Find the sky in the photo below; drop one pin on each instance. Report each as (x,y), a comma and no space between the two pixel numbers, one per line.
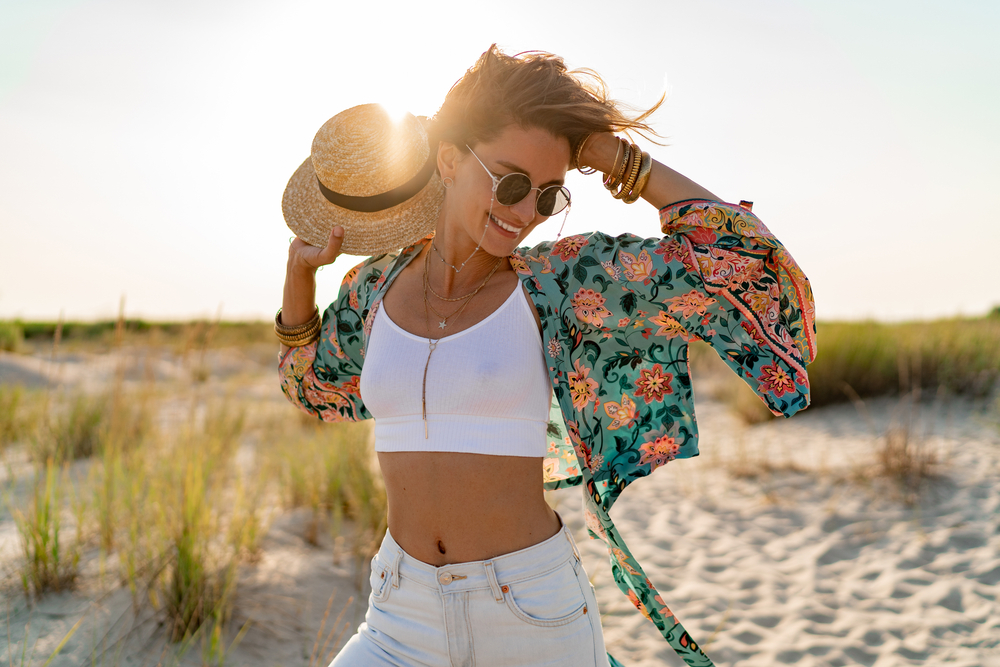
(144,146)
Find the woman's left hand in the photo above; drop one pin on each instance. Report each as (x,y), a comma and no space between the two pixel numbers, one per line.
(665,186)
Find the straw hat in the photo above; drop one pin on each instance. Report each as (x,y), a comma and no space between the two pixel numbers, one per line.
(371,174)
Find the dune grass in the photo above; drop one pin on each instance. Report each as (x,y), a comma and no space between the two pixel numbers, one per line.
(872,359)
(175,511)
(51,560)
(869,359)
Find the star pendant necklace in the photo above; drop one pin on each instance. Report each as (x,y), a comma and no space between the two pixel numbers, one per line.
(432,343)
(467,298)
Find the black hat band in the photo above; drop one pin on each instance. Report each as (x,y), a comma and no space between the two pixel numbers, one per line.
(381,202)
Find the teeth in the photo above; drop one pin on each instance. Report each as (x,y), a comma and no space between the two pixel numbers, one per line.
(503,225)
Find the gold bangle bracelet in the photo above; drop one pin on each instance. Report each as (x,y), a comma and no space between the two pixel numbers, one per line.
(625,171)
(609,177)
(633,173)
(640,183)
(279,327)
(299,343)
(308,336)
(579,152)
(622,170)
(302,335)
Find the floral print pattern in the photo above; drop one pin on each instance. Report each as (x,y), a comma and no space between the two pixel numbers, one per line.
(589,307)
(653,383)
(617,316)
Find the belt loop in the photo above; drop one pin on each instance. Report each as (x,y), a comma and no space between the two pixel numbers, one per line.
(572,542)
(395,567)
(491,577)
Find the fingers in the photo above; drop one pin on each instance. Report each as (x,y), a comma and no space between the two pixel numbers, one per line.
(328,254)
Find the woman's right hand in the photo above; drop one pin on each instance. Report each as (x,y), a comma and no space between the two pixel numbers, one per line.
(301,255)
(298,303)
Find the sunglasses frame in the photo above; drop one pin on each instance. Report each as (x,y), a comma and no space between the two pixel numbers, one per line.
(497,181)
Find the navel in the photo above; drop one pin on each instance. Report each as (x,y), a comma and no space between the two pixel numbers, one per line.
(441,547)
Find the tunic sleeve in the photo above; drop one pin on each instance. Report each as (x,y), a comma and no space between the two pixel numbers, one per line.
(752,303)
(323,378)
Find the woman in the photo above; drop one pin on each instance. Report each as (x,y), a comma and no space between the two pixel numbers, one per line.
(456,343)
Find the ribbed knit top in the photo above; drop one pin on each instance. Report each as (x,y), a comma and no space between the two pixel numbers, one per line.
(487,386)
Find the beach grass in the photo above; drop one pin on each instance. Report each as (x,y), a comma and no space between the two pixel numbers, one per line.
(175,510)
(869,359)
(960,355)
(51,559)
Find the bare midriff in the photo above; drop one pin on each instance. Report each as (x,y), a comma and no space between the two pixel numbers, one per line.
(447,508)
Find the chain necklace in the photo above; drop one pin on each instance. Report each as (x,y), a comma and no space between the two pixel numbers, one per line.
(468,297)
(432,343)
(458,269)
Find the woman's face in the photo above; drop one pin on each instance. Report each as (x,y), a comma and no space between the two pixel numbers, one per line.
(542,156)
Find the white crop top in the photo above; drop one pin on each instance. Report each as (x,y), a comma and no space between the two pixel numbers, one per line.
(487,386)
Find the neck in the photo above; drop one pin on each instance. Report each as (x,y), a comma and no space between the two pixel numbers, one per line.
(446,280)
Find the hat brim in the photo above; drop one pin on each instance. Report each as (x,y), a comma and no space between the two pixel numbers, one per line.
(311,216)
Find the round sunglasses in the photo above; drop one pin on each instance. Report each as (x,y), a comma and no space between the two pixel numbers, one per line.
(512,188)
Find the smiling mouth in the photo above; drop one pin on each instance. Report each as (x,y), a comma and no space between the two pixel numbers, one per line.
(504,226)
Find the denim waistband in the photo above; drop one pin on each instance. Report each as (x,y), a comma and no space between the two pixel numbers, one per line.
(493,574)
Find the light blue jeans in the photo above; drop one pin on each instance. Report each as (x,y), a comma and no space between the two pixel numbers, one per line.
(529,608)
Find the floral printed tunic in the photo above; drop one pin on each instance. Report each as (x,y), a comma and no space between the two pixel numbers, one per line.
(617,316)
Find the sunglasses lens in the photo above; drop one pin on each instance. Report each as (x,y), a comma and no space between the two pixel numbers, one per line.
(552,200)
(513,188)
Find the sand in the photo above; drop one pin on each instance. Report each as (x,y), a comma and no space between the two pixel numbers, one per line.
(777,546)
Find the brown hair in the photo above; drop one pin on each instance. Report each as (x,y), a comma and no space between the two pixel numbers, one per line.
(531,89)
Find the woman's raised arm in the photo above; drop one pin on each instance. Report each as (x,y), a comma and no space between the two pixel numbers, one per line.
(665,186)
(298,301)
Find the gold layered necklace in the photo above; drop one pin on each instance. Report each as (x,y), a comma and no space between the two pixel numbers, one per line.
(428,308)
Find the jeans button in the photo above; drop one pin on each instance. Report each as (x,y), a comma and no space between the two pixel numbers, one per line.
(445,578)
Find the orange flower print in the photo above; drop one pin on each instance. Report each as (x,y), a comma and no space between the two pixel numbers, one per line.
(621,414)
(653,384)
(668,326)
(638,604)
(623,560)
(659,450)
(353,299)
(353,386)
(351,276)
(691,303)
(664,611)
(581,387)
(623,322)
(589,307)
(612,269)
(519,265)
(638,268)
(775,380)
(672,249)
(569,247)
(701,236)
